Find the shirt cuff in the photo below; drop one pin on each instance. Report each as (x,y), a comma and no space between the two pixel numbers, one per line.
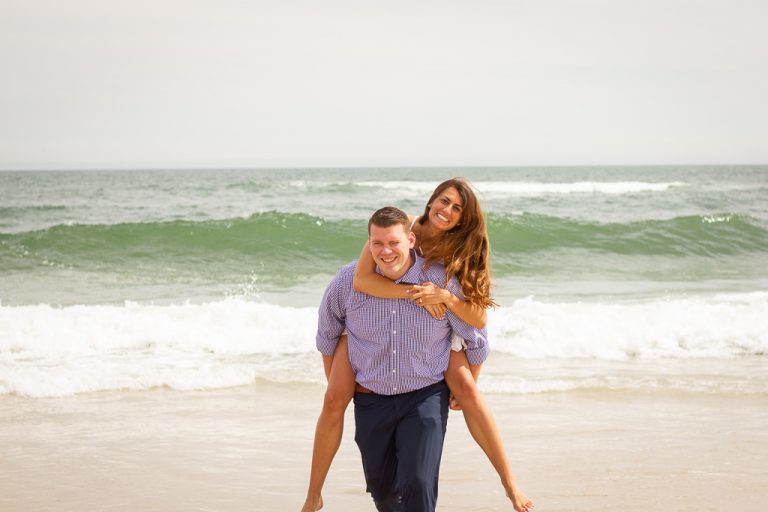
(477,355)
(326,346)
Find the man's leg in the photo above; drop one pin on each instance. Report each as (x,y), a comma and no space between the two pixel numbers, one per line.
(375,424)
(419,437)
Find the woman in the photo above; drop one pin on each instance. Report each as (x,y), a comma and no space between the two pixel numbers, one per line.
(451,231)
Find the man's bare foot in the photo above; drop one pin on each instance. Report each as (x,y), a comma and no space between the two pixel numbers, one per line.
(520,501)
(312,505)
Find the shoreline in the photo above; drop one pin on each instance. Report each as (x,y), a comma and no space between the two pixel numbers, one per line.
(248,448)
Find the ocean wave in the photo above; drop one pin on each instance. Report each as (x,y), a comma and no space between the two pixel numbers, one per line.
(489,189)
(269,241)
(707,235)
(48,351)
(289,237)
(12,211)
(660,377)
(728,325)
(54,351)
(278,250)
(523,188)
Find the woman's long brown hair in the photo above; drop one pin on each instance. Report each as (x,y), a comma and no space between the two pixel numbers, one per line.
(464,250)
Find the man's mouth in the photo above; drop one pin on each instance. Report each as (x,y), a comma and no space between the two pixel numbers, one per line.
(388,260)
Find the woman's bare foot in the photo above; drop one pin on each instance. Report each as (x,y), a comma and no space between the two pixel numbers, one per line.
(312,505)
(520,501)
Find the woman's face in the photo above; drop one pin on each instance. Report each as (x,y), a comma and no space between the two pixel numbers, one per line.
(445,210)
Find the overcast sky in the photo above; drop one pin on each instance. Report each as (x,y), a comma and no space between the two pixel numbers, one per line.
(171,83)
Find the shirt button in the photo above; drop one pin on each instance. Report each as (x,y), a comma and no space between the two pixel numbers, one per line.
(394,371)
(394,351)
(393,312)
(394,332)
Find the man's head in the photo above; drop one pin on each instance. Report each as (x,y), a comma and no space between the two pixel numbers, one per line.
(390,241)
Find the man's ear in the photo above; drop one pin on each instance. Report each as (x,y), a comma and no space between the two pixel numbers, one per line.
(411,240)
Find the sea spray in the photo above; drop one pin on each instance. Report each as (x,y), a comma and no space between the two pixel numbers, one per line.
(718,326)
(49,351)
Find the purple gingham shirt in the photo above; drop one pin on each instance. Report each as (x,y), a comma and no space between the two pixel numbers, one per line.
(395,346)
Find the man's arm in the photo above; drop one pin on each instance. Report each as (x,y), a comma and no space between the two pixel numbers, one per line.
(331,314)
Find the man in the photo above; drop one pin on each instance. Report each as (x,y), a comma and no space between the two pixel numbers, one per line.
(399,353)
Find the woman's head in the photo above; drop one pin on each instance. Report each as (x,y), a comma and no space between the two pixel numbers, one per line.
(463,247)
(452,206)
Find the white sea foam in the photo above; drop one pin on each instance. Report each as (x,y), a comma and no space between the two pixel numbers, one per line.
(49,351)
(703,377)
(718,326)
(512,188)
(46,351)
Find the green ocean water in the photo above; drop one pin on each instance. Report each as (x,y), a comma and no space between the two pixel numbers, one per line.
(91,237)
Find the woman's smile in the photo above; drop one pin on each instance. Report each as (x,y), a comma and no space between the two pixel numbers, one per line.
(445,210)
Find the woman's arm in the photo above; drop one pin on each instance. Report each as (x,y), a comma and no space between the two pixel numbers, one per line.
(430,293)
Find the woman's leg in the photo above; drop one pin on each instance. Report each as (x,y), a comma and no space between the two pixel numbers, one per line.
(330,424)
(481,424)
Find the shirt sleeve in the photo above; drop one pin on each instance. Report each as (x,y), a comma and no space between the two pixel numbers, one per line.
(476,339)
(331,315)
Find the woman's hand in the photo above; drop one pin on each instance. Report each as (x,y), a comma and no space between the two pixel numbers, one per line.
(454,404)
(429,293)
(436,310)
(430,297)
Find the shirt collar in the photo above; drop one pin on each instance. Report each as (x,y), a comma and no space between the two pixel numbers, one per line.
(414,274)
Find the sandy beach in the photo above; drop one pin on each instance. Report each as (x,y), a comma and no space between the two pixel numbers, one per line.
(248,448)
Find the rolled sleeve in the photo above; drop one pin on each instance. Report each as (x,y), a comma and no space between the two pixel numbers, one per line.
(478,352)
(477,348)
(331,316)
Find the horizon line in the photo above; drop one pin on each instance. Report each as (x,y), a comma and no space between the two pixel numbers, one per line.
(369,167)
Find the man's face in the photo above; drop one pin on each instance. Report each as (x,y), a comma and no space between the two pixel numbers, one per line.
(390,248)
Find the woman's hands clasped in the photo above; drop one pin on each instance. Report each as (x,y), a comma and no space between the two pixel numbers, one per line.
(431,297)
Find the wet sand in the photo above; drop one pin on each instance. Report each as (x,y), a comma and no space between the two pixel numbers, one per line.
(248,449)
